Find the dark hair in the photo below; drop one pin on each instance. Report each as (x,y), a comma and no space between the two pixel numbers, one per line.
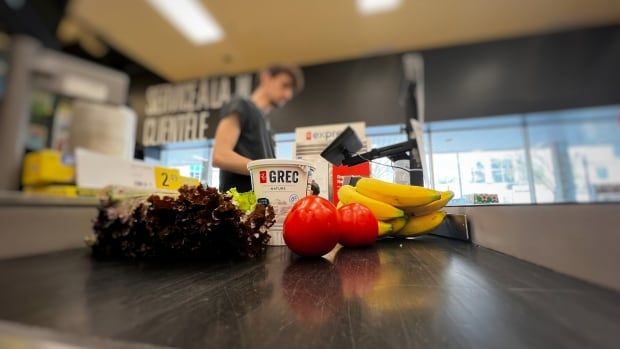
(293,71)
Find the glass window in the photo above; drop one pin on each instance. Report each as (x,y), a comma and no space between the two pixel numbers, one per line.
(477,174)
(382,136)
(487,158)
(559,156)
(602,173)
(192,160)
(214,177)
(576,154)
(502,171)
(285,144)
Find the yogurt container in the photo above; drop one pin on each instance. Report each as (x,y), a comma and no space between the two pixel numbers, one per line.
(280,183)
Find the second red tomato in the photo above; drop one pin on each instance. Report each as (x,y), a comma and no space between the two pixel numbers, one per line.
(358,226)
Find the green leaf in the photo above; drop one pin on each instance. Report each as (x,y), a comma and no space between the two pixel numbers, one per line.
(245,201)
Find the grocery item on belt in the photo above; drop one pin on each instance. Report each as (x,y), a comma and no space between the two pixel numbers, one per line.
(400,195)
(358,226)
(280,183)
(314,226)
(198,222)
(370,210)
(402,210)
(446,196)
(420,225)
(311,228)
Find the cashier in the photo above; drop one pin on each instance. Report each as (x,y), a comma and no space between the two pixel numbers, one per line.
(244,131)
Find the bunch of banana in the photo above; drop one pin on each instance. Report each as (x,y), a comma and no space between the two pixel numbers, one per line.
(402,210)
(420,225)
(383,211)
(385,229)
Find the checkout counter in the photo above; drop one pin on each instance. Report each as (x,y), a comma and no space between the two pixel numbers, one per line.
(426,292)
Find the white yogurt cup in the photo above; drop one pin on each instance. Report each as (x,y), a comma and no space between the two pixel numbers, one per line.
(280,183)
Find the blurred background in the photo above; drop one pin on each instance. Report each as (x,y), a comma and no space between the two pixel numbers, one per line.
(518,99)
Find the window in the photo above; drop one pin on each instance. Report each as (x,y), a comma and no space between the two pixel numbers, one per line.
(381,136)
(602,173)
(195,170)
(501,170)
(477,174)
(575,154)
(560,156)
(192,160)
(480,156)
(285,143)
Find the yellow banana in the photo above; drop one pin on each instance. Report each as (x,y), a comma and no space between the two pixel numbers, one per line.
(420,225)
(446,196)
(400,195)
(397,223)
(384,228)
(381,210)
(339,204)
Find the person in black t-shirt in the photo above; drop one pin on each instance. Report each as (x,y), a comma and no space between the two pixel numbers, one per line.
(244,133)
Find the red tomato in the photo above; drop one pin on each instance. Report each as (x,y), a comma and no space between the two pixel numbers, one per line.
(311,227)
(358,226)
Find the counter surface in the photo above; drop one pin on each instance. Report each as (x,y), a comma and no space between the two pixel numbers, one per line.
(429,293)
(17,198)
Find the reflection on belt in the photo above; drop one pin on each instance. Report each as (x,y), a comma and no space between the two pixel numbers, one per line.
(316,290)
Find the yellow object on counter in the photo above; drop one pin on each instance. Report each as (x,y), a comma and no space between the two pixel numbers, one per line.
(88,192)
(190,181)
(46,167)
(52,190)
(167,178)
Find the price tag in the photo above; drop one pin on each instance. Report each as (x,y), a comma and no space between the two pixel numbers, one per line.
(192,182)
(167,178)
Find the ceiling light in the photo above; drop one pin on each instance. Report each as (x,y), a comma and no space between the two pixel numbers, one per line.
(370,7)
(191,18)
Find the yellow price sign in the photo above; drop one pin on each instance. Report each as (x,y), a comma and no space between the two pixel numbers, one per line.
(192,182)
(167,178)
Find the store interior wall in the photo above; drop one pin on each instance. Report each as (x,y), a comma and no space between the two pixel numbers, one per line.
(137,97)
(564,70)
(547,72)
(365,89)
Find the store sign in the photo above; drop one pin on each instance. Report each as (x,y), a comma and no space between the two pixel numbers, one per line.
(324,134)
(180,112)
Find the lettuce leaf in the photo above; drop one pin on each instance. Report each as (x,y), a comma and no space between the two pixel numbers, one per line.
(199,222)
(245,201)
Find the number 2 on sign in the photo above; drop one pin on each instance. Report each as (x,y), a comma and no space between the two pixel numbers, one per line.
(167,178)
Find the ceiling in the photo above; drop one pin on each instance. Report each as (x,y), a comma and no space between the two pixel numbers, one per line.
(315,31)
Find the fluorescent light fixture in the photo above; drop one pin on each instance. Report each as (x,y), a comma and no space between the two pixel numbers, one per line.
(371,7)
(191,18)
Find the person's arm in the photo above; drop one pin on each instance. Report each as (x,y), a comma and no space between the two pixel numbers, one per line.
(226,137)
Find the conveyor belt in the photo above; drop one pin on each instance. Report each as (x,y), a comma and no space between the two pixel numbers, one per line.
(429,293)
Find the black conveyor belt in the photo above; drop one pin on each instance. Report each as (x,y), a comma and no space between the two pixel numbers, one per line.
(426,293)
